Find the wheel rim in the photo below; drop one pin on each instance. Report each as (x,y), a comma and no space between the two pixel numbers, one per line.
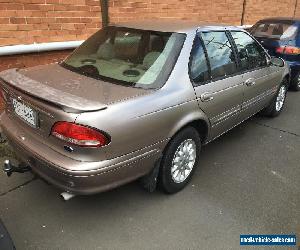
(280,98)
(183,161)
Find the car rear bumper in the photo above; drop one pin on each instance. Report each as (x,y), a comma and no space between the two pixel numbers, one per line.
(100,176)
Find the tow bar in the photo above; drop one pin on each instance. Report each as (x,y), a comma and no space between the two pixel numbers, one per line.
(9,168)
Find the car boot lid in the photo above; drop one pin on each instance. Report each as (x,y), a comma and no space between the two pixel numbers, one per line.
(72,92)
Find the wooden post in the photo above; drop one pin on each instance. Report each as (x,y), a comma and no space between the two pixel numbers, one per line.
(104,12)
(243,12)
(296,5)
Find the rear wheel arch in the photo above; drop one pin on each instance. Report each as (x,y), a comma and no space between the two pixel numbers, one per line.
(149,181)
(201,125)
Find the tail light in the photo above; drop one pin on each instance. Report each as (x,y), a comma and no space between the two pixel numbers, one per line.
(79,135)
(288,50)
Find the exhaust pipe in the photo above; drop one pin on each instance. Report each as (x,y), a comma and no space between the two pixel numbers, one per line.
(67,196)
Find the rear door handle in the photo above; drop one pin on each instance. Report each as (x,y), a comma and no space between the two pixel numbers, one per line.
(250,82)
(206,97)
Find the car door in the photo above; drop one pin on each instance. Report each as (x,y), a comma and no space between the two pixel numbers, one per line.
(219,90)
(260,81)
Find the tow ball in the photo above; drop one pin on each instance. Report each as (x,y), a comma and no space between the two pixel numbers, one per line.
(9,168)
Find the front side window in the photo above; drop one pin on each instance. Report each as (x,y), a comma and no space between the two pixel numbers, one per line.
(250,53)
(138,58)
(199,71)
(220,54)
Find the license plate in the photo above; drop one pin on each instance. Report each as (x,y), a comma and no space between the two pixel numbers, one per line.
(25,112)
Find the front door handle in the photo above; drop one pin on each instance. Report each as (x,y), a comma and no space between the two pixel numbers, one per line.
(206,97)
(250,82)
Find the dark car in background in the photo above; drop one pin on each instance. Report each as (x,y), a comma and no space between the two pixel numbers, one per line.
(281,38)
(6,242)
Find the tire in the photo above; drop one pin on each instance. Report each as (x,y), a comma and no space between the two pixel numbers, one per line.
(295,83)
(277,104)
(188,138)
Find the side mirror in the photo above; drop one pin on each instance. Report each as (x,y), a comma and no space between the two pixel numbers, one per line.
(276,61)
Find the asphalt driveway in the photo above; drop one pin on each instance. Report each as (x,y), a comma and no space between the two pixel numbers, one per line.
(247,182)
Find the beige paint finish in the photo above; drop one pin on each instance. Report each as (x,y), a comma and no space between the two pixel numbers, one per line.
(140,122)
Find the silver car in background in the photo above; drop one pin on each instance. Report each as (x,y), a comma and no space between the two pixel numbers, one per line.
(137,101)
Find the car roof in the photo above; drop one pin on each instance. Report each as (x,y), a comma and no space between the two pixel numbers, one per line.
(174,26)
(279,19)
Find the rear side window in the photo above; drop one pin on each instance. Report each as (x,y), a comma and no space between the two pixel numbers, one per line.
(220,54)
(280,30)
(199,71)
(250,53)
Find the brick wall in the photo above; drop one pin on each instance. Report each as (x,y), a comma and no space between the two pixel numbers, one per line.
(259,9)
(29,21)
(223,11)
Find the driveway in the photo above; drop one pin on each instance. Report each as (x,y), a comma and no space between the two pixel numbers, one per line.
(247,182)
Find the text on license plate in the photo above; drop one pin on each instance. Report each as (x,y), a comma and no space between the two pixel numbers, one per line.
(25,112)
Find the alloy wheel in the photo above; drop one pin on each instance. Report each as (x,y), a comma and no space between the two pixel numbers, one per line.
(183,161)
(280,98)
(298,81)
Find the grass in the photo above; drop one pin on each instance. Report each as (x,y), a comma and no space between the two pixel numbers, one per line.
(6,151)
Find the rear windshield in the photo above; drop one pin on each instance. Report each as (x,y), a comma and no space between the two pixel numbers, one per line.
(127,56)
(280,30)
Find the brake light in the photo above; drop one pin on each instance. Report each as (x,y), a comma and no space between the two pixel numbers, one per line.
(288,50)
(79,135)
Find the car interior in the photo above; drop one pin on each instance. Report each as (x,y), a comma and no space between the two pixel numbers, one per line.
(125,56)
(276,30)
